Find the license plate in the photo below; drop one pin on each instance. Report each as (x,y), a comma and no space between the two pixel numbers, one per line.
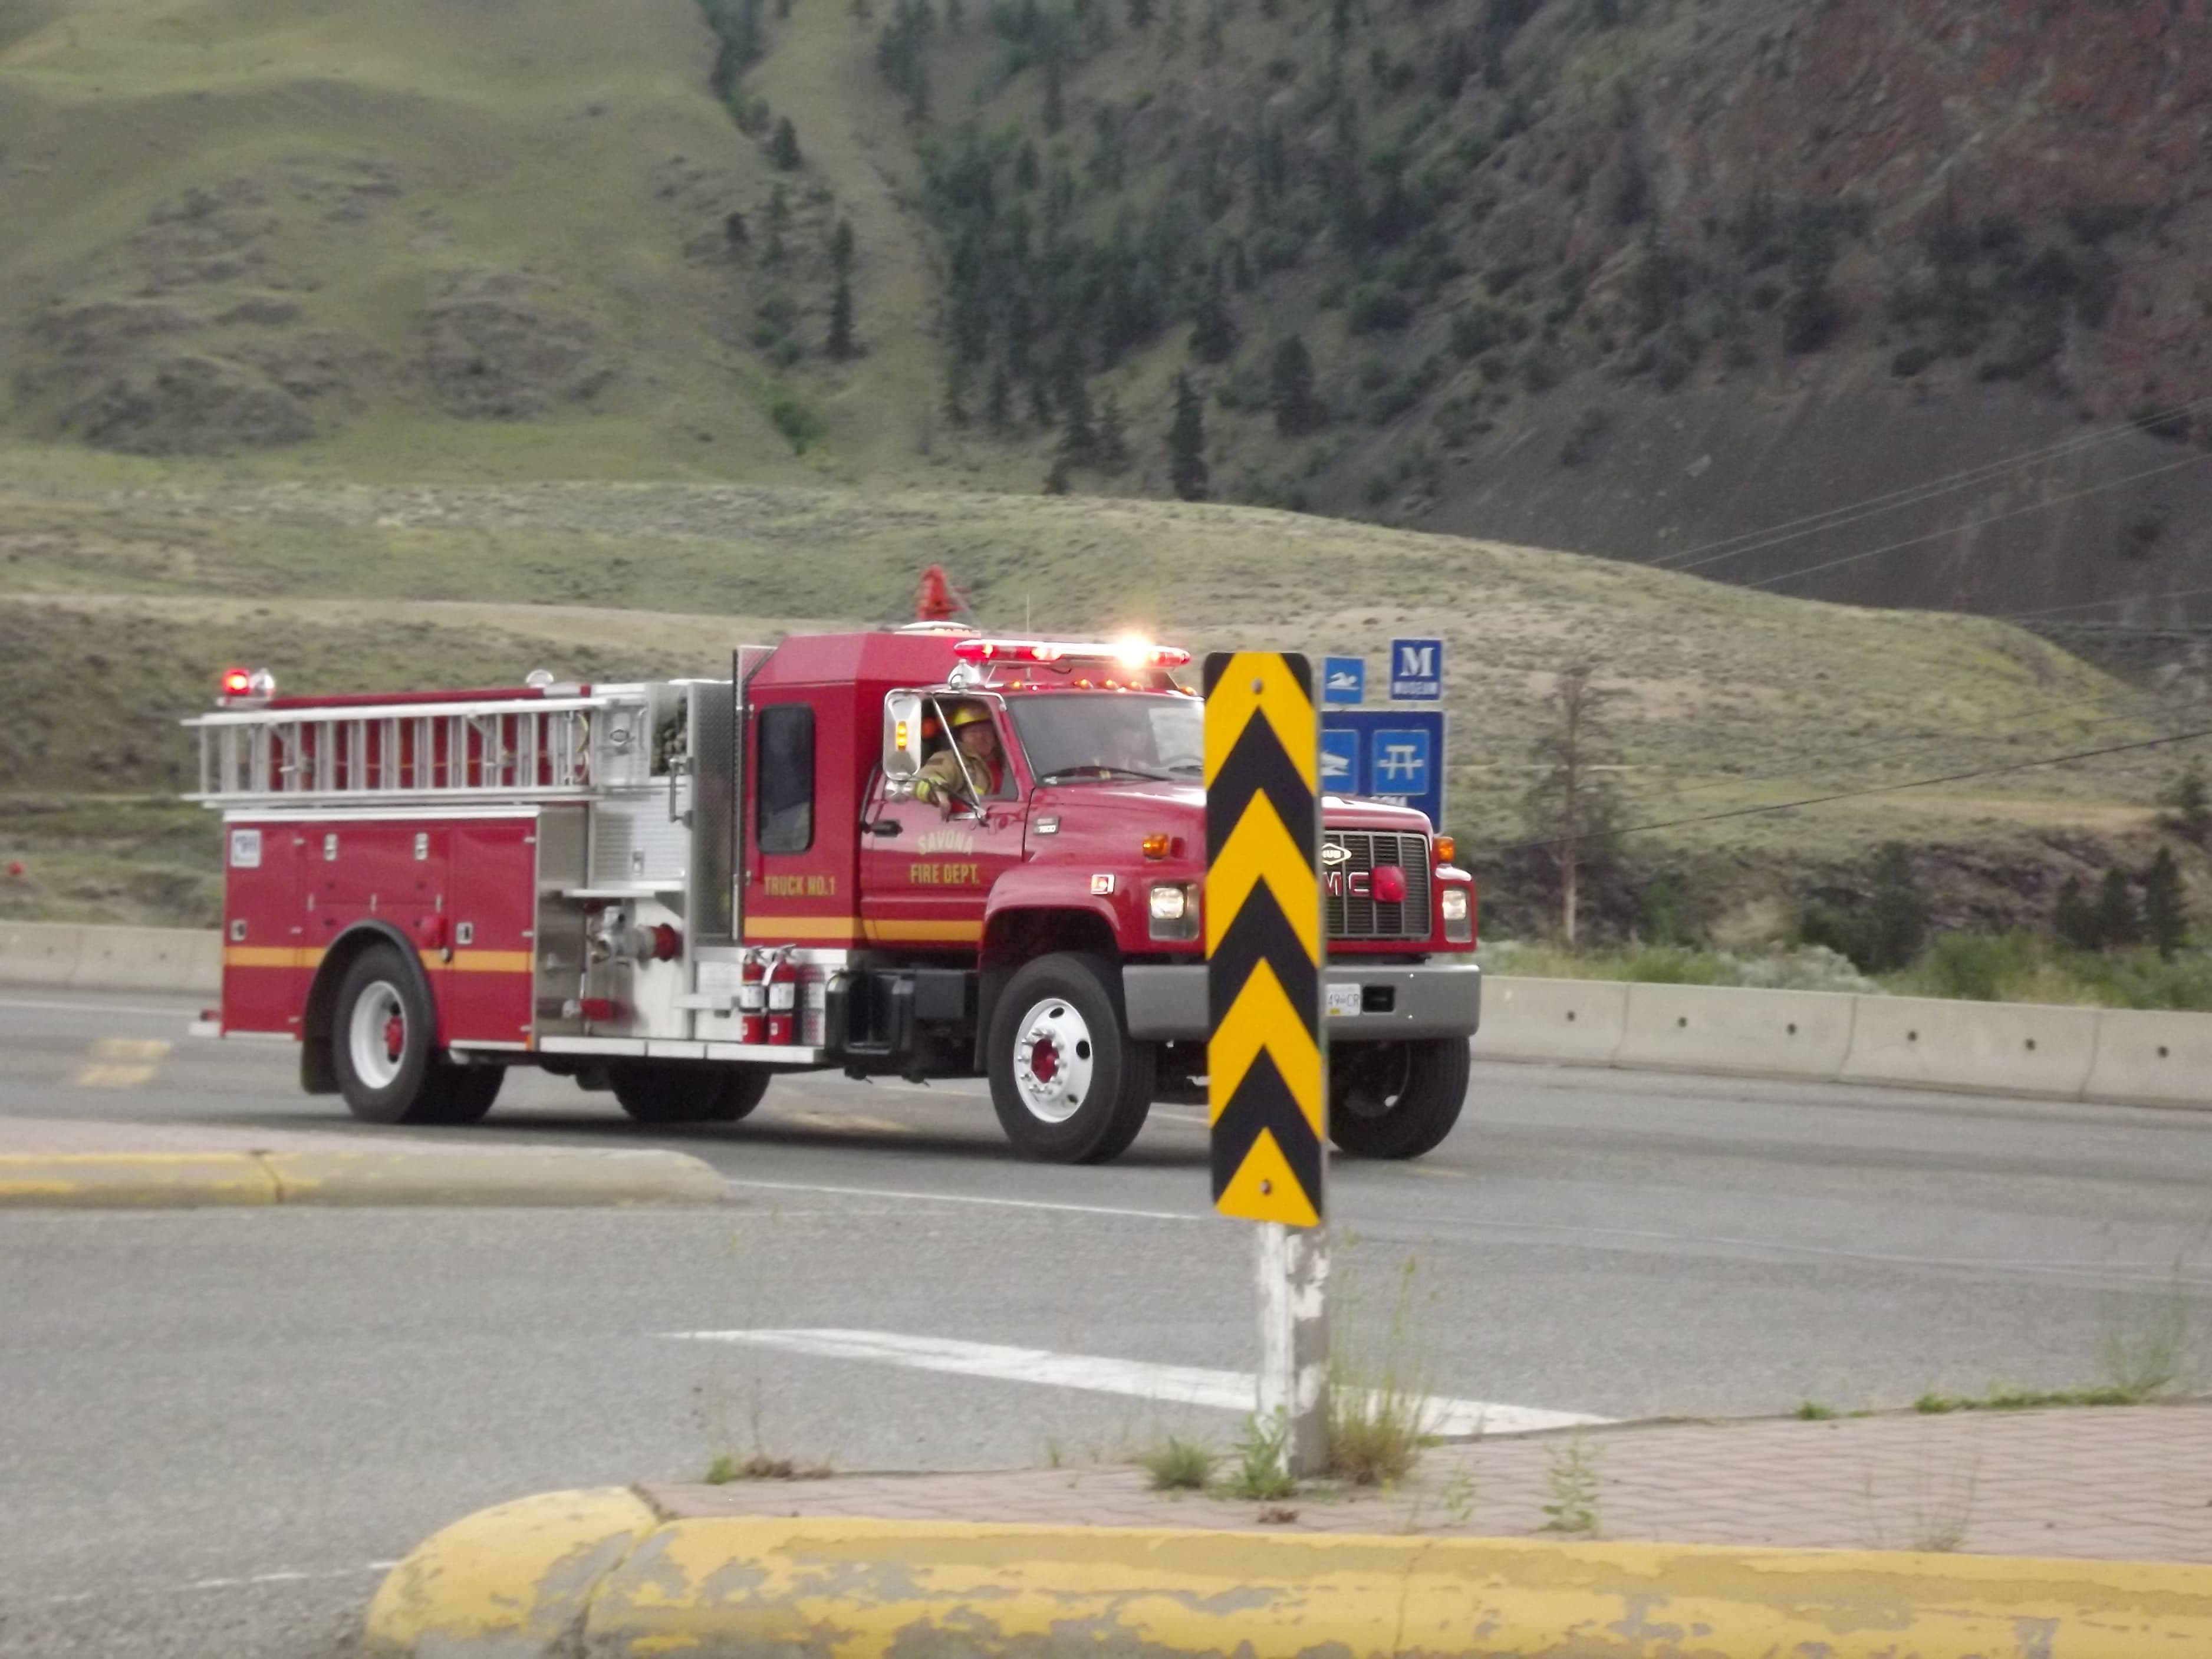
(1343,999)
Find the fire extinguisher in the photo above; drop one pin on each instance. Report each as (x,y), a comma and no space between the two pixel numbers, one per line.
(782,986)
(752,1000)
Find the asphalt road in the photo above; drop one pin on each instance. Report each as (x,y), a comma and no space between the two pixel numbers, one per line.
(214,1425)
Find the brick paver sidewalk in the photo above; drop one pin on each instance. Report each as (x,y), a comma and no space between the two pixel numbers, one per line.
(39,1136)
(2121,1484)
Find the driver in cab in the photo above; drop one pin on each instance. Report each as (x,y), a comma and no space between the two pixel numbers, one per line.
(942,780)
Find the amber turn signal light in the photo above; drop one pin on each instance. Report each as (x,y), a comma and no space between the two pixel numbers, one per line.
(1158,845)
(1447,849)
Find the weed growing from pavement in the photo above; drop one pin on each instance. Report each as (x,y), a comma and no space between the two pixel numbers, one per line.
(1379,1410)
(1812,1410)
(1259,1475)
(1572,1480)
(1180,1465)
(1940,1505)
(2147,1347)
(759,1467)
(1459,1497)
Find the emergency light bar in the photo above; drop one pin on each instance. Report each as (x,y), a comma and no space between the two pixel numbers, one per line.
(243,685)
(1130,653)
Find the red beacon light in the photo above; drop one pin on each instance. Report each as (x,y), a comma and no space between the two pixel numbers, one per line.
(247,685)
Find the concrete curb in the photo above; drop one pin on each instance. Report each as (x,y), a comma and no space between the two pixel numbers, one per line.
(523,1176)
(598,1573)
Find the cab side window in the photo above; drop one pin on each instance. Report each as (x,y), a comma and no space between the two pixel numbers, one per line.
(784,818)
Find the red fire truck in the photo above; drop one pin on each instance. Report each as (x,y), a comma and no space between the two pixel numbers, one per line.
(675,890)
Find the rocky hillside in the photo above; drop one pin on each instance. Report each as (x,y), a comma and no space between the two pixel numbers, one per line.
(1641,277)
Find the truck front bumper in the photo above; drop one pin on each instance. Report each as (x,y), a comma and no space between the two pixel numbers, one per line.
(1167,1003)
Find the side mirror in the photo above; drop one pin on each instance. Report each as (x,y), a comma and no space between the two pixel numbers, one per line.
(901,735)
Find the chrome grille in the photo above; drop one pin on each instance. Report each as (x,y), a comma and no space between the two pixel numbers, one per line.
(1351,917)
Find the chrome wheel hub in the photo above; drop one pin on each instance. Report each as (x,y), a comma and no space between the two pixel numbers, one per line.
(376,1035)
(1052,1060)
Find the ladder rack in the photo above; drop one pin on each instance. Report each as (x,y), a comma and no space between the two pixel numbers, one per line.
(347,754)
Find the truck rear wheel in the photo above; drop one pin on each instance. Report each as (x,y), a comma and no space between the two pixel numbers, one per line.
(469,1092)
(1395,1099)
(1068,1083)
(687,1091)
(384,1042)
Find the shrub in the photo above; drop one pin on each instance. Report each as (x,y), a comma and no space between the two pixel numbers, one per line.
(1373,308)
(1584,437)
(1979,967)
(1180,1465)
(801,427)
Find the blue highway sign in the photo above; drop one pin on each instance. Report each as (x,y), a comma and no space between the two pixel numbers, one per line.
(1343,681)
(1417,670)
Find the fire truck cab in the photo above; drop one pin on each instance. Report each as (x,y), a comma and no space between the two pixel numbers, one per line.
(921,853)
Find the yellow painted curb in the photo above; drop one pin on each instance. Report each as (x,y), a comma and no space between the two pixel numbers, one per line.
(511,1580)
(868,1589)
(99,1181)
(521,1177)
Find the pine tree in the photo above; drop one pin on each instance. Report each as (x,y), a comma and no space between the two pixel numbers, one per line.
(1213,328)
(2119,920)
(956,393)
(733,230)
(917,93)
(779,208)
(1027,173)
(841,344)
(1186,441)
(1573,808)
(999,401)
(2188,808)
(783,149)
(1177,32)
(1113,446)
(1055,482)
(956,17)
(1210,42)
(1291,388)
(841,249)
(1898,912)
(1040,404)
(1141,14)
(2165,908)
(1078,437)
(2073,919)
(1055,106)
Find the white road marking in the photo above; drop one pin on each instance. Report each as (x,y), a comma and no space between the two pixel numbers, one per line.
(179,1012)
(199,1585)
(964,1197)
(1180,1385)
(844,1123)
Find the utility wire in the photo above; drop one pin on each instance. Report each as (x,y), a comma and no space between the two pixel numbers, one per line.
(1889,788)
(2094,604)
(1910,494)
(1976,524)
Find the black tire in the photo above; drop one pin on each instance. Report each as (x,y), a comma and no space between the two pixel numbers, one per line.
(686,1091)
(1073,1000)
(1395,1099)
(384,1041)
(467,1091)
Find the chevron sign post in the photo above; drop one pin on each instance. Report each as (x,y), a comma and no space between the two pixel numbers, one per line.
(1267,1061)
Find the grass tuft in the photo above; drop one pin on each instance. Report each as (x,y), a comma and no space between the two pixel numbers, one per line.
(1259,1474)
(1379,1414)
(1180,1465)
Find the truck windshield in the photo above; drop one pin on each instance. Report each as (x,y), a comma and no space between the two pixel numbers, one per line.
(1074,737)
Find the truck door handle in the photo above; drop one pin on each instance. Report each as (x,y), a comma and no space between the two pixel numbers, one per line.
(886,827)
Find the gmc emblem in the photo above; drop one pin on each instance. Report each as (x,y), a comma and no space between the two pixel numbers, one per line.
(1337,883)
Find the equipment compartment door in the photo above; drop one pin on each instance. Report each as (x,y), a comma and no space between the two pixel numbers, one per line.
(265,967)
(494,905)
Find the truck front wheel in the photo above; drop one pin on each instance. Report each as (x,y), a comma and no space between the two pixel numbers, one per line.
(1069,1084)
(1395,1099)
(687,1091)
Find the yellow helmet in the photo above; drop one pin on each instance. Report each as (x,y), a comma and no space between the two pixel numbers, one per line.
(967,713)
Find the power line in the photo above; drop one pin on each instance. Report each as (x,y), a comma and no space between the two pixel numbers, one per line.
(1910,494)
(1977,523)
(2094,604)
(1892,788)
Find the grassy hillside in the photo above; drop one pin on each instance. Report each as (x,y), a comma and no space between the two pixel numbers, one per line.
(123,603)
(418,239)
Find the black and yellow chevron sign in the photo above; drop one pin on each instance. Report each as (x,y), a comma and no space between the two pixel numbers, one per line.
(1266,1066)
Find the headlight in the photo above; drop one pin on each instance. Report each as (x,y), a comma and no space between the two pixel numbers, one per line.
(1173,907)
(1456,904)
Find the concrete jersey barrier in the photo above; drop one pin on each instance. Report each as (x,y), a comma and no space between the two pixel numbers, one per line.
(1706,1028)
(39,952)
(2115,1055)
(1982,1048)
